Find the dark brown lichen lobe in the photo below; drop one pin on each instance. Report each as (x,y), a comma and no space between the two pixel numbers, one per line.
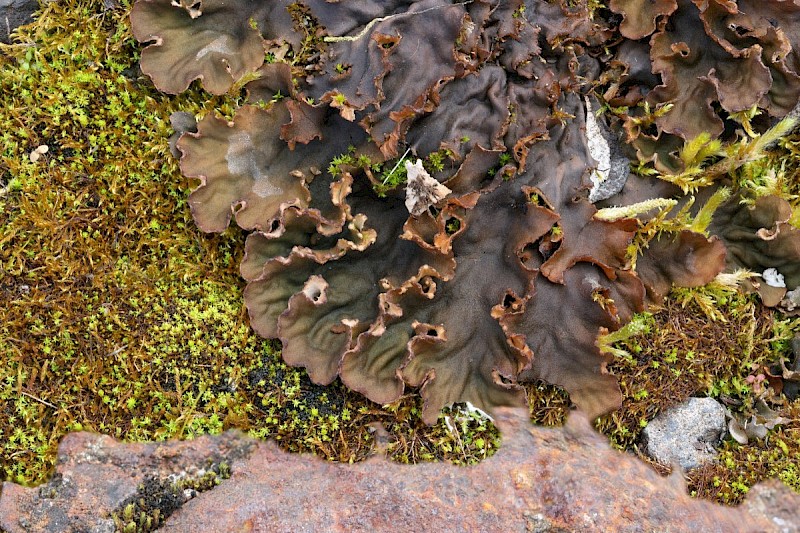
(471,278)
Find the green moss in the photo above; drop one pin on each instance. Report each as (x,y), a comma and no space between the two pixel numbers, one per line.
(703,342)
(773,457)
(390,175)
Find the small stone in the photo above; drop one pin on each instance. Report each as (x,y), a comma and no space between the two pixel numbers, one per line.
(686,434)
(14,13)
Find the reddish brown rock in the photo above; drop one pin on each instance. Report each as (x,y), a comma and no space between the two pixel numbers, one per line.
(543,480)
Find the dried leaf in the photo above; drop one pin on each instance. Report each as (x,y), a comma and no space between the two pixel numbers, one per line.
(422,191)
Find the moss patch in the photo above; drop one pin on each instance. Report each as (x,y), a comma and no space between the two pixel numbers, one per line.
(686,351)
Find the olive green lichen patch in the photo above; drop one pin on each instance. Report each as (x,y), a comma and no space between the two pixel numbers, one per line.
(117,315)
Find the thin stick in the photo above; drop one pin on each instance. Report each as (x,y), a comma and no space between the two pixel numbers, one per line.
(397,165)
(359,35)
(32,397)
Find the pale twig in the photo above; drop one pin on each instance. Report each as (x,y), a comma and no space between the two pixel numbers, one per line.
(396,165)
(32,397)
(359,35)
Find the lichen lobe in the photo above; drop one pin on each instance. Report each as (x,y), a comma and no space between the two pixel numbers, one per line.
(474,275)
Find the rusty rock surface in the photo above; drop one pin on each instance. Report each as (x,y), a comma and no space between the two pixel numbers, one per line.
(543,480)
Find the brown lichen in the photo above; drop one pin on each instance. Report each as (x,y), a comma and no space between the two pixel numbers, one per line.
(357,287)
(740,56)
